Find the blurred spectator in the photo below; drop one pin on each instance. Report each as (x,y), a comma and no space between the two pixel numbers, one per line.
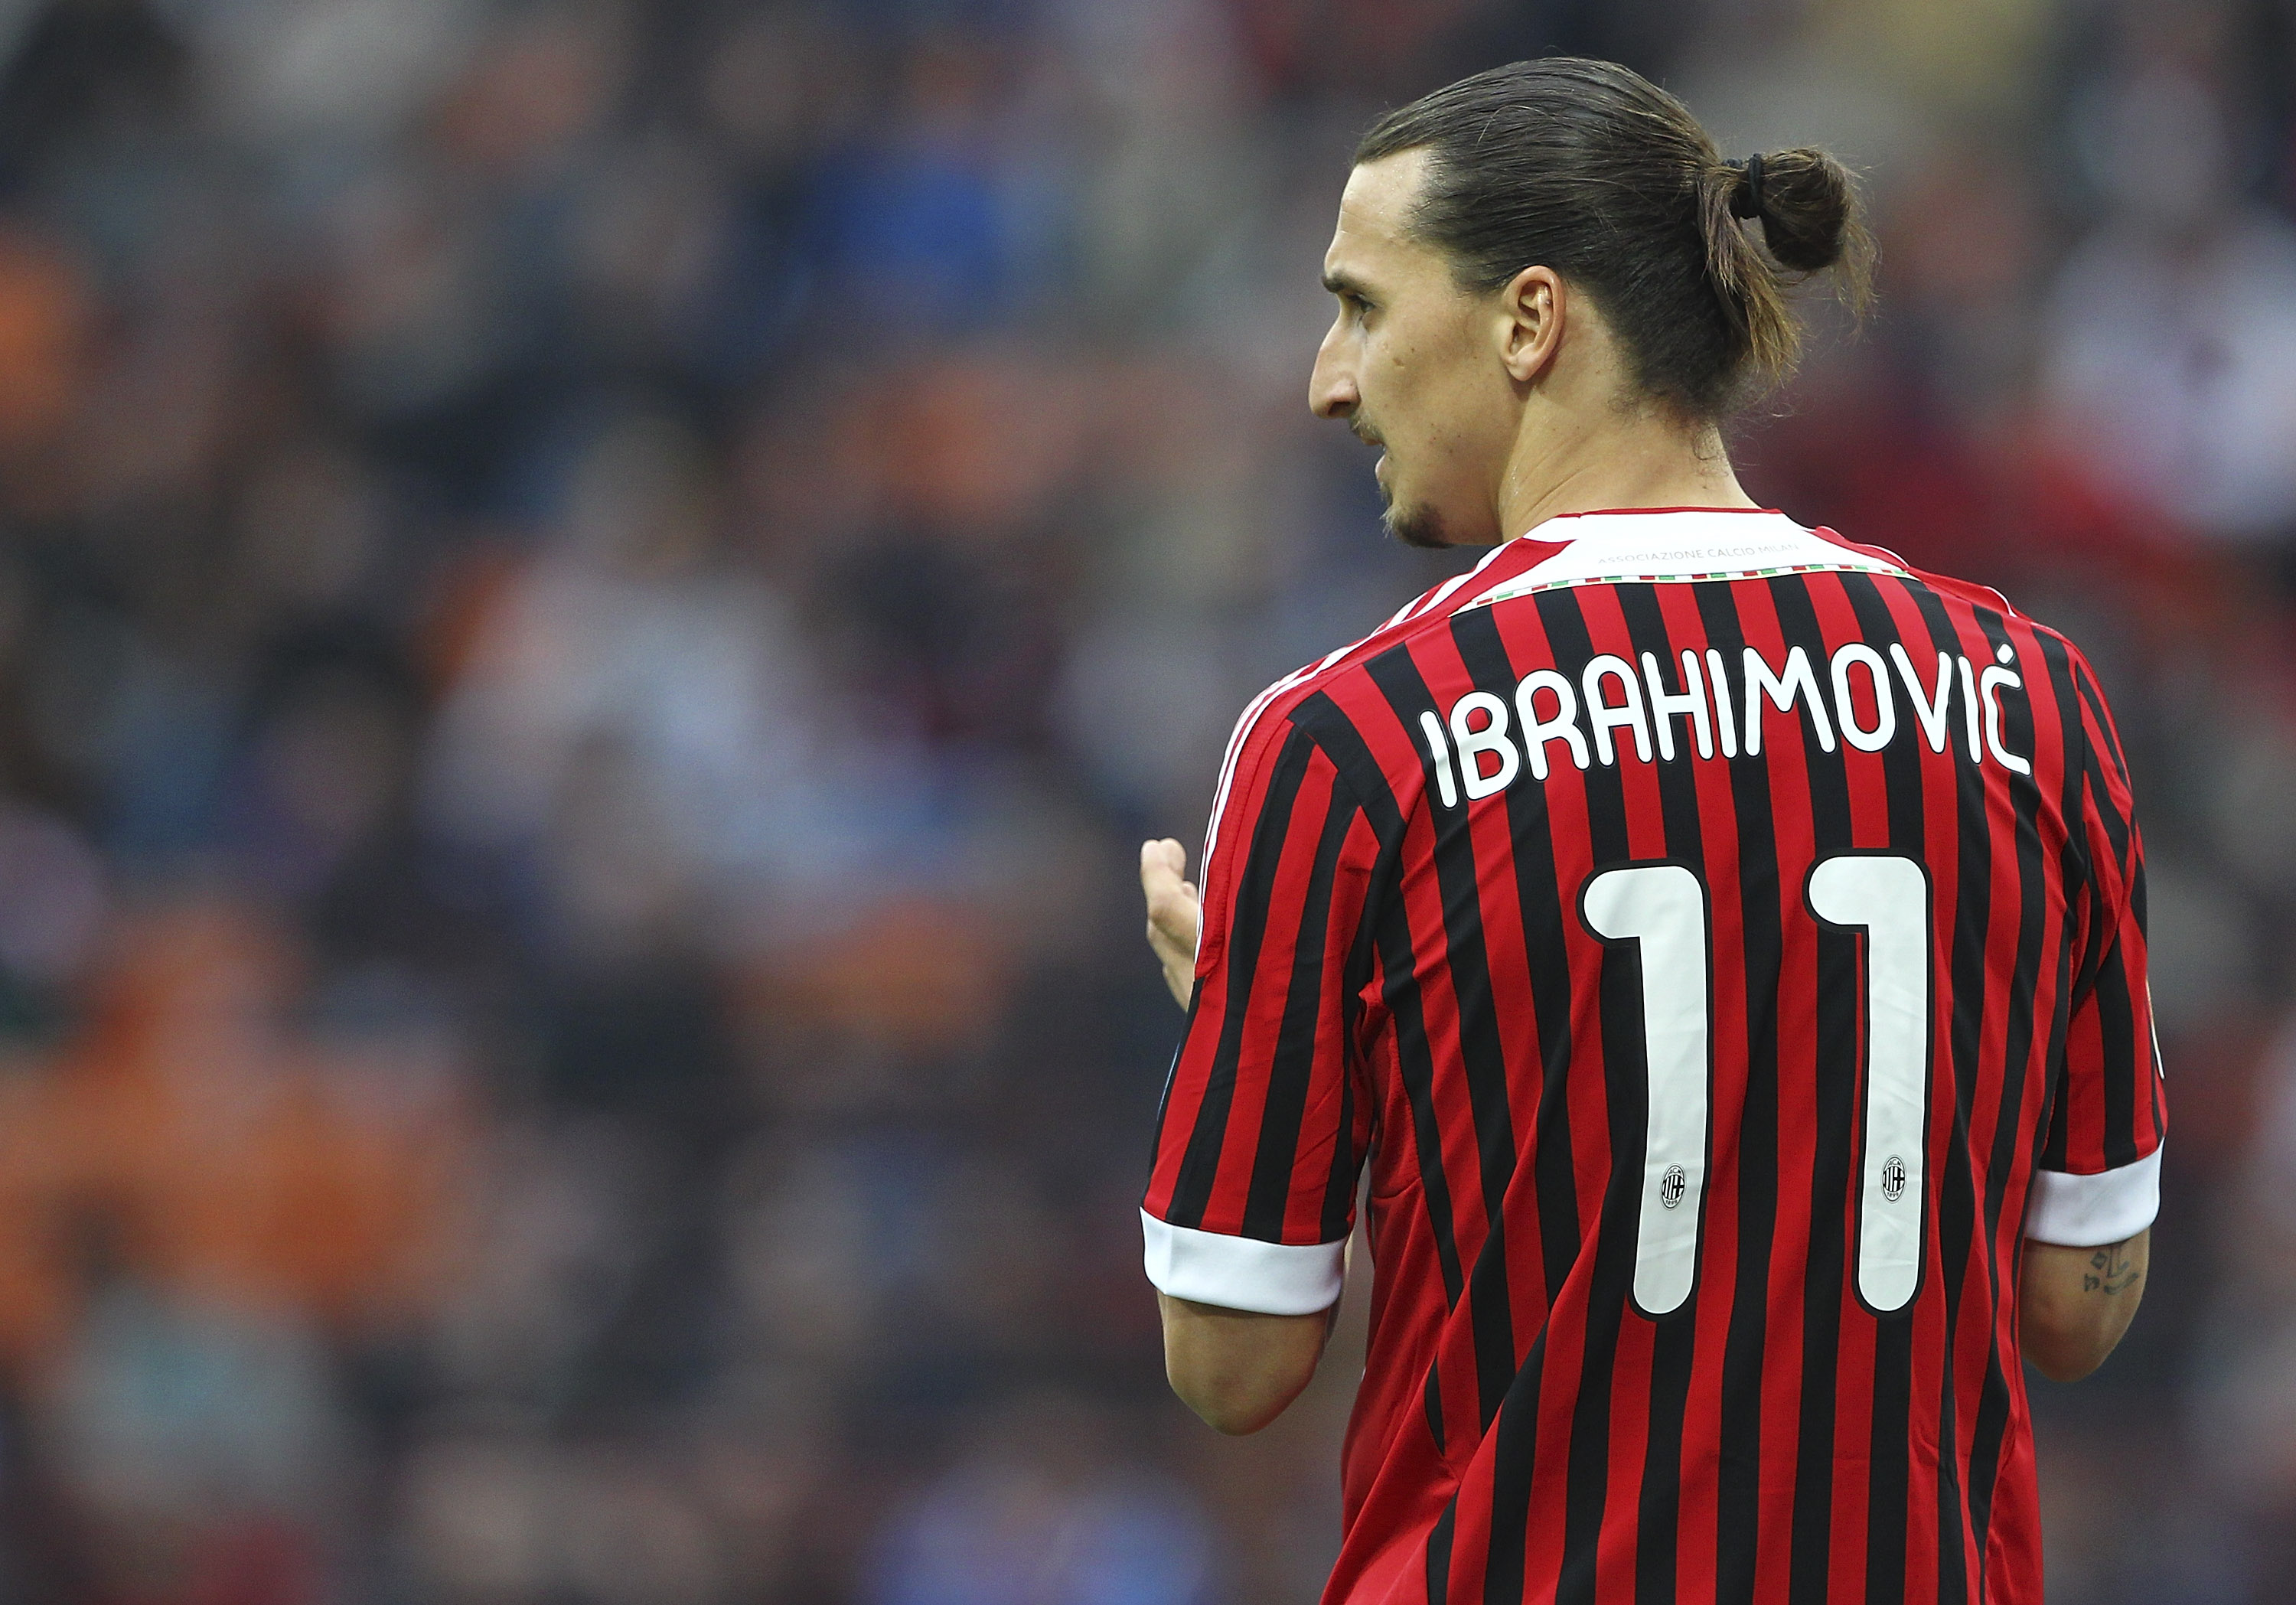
(1029,1517)
(2172,330)
(627,660)
(2246,1416)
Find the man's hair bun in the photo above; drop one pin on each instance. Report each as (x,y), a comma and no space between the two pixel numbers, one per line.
(1805,204)
(1805,200)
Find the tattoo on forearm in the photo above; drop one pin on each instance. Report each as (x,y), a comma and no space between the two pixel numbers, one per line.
(2110,1270)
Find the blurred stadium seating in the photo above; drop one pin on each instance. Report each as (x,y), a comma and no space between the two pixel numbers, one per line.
(593,598)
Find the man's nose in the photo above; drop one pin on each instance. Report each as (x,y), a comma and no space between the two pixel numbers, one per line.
(1331,386)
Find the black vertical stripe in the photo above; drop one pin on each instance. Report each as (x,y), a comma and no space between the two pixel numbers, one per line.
(1586,1481)
(1192,1190)
(1658,1521)
(2158,1087)
(1514,1457)
(1399,991)
(1481,1059)
(1491,1317)
(1490,1297)
(1387,922)
(1835,1094)
(1738,1495)
(1677,782)
(2085,893)
(1958,1212)
(1340,1186)
(1172,1072)
(2060,1029)
(2082,896)
(1564,619)
(2094,696)
(2111,997)
(1888,1470)
(1625,1076)
(2117,1037)
(1290,1071)
(1891,1443)
(1951,1543)
(1537,876)
(2018,1024)
(2107,812)
(1989,1431)
(1438,1553)
(1673,1351)
(1356,977)
(1973,894)
(1901,762)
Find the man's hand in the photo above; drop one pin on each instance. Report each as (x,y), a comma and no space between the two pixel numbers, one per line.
(1174,914)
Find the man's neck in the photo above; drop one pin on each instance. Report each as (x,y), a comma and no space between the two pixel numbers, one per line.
(1648,462)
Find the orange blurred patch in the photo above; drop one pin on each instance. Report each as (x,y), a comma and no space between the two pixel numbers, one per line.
(916,976)
(978,447)
(219,1156)
(46,306)
(464,603)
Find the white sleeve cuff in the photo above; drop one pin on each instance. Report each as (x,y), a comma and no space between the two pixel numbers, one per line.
(1242,1272)
(2088,1211)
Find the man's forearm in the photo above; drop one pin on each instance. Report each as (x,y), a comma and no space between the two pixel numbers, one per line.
(1237,1369)
(2074,1303)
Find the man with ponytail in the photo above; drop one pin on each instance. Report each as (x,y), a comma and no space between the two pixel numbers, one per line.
(1716,947)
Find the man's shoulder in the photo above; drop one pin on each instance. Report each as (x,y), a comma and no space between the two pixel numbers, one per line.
(1987,604)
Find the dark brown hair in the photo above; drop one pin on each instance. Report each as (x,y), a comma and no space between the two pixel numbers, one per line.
(1590,169)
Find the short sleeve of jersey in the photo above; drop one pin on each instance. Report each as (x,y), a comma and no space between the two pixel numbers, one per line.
(2099,1179)
(1264,1121)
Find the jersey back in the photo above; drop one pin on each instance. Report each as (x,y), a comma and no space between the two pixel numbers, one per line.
(1721,945)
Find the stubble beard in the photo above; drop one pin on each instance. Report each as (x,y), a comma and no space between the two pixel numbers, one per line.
(1418,528)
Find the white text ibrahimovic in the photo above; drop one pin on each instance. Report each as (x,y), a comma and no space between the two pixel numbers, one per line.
(1484,741)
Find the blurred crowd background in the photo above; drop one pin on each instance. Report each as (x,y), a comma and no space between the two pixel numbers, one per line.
(595,597)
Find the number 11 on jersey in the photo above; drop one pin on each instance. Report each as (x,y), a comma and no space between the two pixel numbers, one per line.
(1661,908)
(1888,898)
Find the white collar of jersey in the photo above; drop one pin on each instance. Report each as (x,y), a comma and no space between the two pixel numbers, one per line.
(1676,547)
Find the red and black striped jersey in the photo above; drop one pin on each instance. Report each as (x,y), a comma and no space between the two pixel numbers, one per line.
(1723,946)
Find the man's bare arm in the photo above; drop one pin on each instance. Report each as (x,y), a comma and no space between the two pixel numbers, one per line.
(2074,1303)
(1235,1368)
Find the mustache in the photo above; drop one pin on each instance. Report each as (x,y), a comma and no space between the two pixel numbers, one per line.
(1364,432)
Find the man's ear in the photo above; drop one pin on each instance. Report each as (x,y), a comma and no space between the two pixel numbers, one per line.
(1531,313)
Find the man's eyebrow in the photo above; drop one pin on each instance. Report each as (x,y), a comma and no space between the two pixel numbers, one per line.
(1342,284)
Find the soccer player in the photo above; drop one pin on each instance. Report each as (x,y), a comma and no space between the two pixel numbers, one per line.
(1722,945)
